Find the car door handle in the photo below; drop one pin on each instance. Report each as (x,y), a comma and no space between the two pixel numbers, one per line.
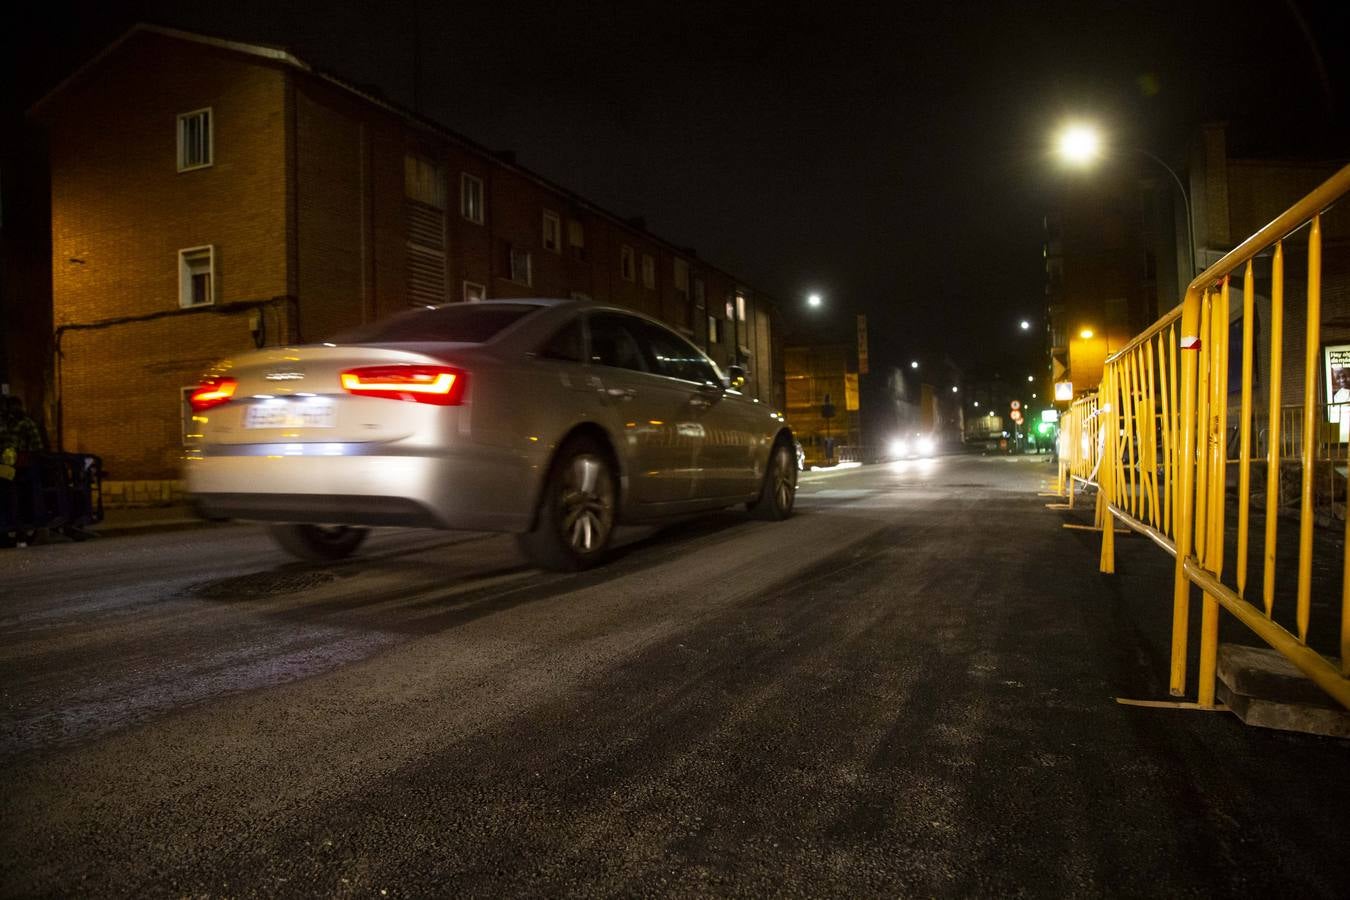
(619,393)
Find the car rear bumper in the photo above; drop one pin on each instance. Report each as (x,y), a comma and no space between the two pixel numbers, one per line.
(481,491)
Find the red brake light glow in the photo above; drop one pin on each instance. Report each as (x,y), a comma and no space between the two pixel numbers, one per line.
(212,392)
(440,385)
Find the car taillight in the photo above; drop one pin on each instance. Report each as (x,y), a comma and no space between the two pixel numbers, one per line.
(441,385)
(212,392)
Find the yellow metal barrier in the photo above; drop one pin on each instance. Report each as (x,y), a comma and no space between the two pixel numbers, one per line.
(1163,410)
(1079,446)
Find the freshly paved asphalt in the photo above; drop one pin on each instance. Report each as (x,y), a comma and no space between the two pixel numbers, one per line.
(907,689)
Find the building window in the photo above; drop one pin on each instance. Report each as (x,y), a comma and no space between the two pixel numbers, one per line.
(474,292)
(714,330)
(423,181)
(471,197)
(740,307)
(627,263)
(648,272)
(195,140)
(700,294)
(520,264)
(196,276)
(552,232)
(576,239)
(681,273)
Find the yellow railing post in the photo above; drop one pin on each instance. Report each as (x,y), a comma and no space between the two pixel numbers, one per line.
(1274,426)
(1311,413)
(1107,477)
(1184,472)
(1218,480)
(1245,424)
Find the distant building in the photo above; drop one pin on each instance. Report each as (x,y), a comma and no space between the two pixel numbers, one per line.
(814,376)
(209,196)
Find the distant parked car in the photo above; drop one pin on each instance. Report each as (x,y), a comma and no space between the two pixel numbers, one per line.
(552,419)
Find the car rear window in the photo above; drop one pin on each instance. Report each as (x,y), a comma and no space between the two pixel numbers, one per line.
(468,323)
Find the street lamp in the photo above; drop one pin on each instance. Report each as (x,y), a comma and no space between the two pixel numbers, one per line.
(914,364)
(1031,378)
(954,389)
(1081,144)
(1086,334)
(813,300)
(1025,325)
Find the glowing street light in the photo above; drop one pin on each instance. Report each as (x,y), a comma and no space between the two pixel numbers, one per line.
(954,389)
(814,300)
(1086,334)
(1079,144)
(1026,326)
(914,364)
(1031,378)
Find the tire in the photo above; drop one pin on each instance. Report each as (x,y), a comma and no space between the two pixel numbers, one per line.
(577,511)
(319,543)
(778,494)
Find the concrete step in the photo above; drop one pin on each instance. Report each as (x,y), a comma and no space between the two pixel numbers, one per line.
(1266,690)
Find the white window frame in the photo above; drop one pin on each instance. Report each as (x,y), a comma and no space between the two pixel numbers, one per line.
(552,218)
(740,307)
(185,276)
(469,287)
(209,112)
(627,263)
(466,209)
(649,271)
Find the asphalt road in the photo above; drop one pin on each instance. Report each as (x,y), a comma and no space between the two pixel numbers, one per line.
(907,689)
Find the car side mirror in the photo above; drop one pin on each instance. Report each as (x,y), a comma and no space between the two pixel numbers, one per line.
(735,376)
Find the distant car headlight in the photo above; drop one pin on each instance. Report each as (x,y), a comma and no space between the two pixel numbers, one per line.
(898,448)
(926,446)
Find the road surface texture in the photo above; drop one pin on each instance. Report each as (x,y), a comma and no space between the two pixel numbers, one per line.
(907,689)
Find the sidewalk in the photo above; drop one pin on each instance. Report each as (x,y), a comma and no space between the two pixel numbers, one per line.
(145,520)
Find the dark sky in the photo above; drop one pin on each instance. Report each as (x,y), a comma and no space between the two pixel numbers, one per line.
(891,156)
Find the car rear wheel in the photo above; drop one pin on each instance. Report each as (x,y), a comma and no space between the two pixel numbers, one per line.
(320,543)
(577,511)
(778,494)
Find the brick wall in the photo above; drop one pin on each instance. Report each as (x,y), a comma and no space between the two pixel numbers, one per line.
(121,212)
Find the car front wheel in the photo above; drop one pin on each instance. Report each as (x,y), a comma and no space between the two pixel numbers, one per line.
(778,494)
(319,543)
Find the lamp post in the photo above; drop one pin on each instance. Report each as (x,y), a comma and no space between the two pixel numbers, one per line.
(1081,145)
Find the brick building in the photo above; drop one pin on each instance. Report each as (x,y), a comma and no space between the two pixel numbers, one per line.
(210,196)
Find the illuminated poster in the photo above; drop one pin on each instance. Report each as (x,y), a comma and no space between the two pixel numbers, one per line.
(1336,361)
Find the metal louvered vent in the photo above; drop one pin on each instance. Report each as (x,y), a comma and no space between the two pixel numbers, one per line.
(426,254)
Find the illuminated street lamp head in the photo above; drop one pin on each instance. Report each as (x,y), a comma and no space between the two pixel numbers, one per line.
(813,300)
(1079,144)
(1086,334)
(1025,325)
(914,364)
(954,389)
(1031,378)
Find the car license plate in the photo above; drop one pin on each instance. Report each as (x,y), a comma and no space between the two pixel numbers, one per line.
(290,415)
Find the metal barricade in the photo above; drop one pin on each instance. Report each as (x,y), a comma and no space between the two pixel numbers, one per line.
(1165,472)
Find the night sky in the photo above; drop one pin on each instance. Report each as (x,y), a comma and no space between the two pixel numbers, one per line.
(892,157)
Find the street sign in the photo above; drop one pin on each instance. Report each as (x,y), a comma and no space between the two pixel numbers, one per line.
(1063,391)
(1049,415)
(1016,416)
(1016,404)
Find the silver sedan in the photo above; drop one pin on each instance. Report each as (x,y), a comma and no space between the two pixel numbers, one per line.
(552,419)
